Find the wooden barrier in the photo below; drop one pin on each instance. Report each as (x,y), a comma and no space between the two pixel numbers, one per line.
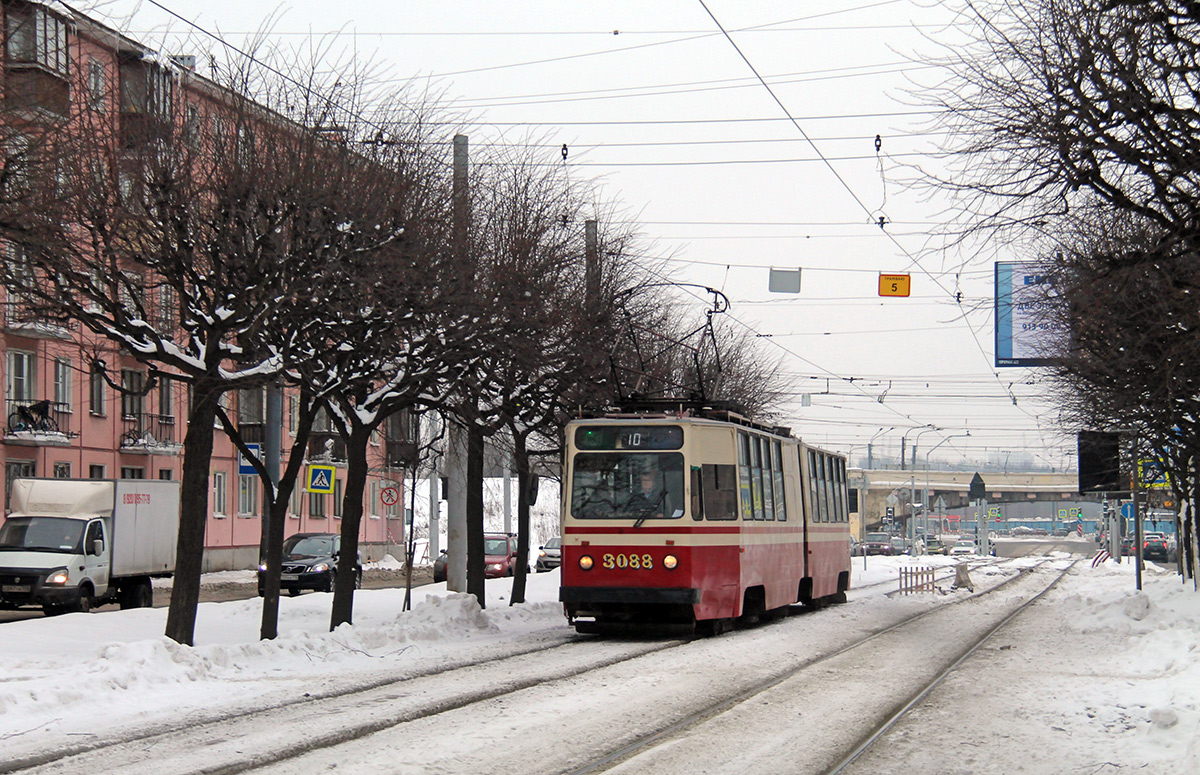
(913,580)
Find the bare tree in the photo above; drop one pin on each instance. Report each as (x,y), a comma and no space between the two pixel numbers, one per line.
(1072,126)
(180,237)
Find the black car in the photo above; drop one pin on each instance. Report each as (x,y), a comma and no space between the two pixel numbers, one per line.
(1155,547)
(310,562)
(439,567)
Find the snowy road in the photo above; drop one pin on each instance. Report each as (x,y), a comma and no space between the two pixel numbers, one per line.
(1093,678)
(581,704)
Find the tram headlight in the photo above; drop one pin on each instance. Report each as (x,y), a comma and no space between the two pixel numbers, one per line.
(585,562)
(670,561)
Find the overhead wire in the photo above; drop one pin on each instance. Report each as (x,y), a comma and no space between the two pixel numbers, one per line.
(788,118)
(913,261)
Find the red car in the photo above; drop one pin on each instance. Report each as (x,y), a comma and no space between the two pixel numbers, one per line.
(499,555)
(878,543)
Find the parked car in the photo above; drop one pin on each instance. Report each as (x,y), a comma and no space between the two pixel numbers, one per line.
(1155,547)
(878,543)
(499,555)
(310,562)
(439,567)
(899,545)
(549,555)
(964,548)
(934,545)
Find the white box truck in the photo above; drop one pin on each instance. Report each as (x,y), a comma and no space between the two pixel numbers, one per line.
(69,544)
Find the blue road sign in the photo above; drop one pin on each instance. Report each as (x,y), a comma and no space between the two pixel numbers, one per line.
(244,465)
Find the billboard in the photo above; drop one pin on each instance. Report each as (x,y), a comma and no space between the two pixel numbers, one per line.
(1025,334)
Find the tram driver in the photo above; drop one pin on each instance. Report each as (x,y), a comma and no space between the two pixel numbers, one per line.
(650,500)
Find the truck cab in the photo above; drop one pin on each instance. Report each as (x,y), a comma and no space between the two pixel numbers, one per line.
(51,560)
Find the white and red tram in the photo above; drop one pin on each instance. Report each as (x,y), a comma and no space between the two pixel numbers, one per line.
(697,518)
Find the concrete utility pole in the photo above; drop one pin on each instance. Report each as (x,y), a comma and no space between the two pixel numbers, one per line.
(456,434)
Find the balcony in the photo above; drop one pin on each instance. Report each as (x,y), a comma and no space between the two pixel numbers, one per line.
(36,90)
(150,434)
(401,453)
(252,432)
(20,317)
(38,423)
(325,447)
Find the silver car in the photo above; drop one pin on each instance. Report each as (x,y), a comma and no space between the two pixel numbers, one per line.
(550,555)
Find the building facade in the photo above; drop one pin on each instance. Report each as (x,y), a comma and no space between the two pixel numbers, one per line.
(75,406)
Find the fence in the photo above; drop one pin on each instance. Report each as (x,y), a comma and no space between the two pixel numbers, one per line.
(913,580)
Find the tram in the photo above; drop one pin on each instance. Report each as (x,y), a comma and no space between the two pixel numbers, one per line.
(694,518)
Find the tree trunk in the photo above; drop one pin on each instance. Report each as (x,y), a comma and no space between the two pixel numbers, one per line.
(475,576)
(521,459)
(352,513)
(193,511)
(273,551)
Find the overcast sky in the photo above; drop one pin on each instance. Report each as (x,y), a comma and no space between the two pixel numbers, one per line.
(726,177)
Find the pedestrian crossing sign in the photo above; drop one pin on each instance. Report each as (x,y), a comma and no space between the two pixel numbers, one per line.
(320,479)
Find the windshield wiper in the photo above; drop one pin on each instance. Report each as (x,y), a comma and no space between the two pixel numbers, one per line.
(648,510)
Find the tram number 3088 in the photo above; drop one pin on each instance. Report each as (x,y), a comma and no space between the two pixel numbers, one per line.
(623,561)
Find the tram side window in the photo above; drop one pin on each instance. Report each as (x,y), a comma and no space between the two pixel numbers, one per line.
(822,491)
(719,486)
(777,473)
(747,496)
(756,477)
(843,507)
(813,501)
(768,481)
(830,491)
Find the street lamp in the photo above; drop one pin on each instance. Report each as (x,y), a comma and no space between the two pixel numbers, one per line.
(925,498)
(904,438)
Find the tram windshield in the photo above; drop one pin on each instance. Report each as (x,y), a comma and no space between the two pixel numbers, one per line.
(638,485)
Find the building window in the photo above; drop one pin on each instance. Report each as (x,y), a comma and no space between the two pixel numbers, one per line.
(62,470)
(62,382)
(391,510)
(251,406)
(247,495)
(97,84)
(130,472)
(337,498)
(191,125)
(166,400)
(219,493)
(36,36)
(146,89)
(21,374)
(168,310)
(166,474)
(132,386)
(96,472)
(295,503)
(20,266)
(96,390)
(316,505)
(373,506)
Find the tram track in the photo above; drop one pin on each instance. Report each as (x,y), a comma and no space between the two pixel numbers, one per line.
(207,727)
(627,757)
(280,736)
(882,729)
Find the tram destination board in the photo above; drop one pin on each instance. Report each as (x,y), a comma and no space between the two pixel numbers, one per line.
(598,437)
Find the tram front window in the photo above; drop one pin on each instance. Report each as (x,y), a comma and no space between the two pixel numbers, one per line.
(640,486)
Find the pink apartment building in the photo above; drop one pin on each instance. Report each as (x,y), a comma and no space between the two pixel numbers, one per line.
(63,417)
